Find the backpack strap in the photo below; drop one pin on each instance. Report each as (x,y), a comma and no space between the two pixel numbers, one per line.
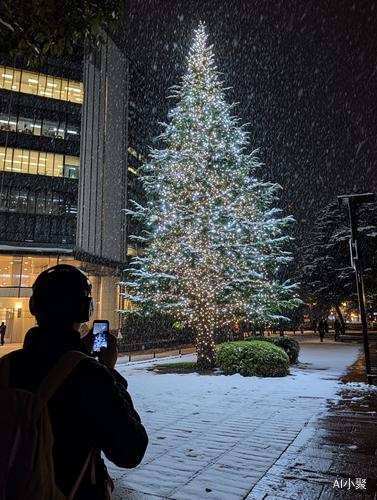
(58,373)
(78,481)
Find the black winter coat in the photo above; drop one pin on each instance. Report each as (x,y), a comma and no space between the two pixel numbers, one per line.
(91,405)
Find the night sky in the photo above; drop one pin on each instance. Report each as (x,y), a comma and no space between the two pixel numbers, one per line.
(303,72)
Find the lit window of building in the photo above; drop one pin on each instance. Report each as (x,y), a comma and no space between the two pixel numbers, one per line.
(39,163)
(27,82)
(39,127)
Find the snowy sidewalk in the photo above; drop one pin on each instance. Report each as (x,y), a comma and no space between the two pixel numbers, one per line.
(216,437)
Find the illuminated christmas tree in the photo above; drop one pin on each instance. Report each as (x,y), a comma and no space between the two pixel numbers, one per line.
(214,243)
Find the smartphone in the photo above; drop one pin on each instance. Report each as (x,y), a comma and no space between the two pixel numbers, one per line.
(101,334)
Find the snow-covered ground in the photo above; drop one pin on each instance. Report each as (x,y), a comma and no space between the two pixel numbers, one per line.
(214,437)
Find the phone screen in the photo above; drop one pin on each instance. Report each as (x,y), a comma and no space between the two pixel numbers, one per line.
(100,332)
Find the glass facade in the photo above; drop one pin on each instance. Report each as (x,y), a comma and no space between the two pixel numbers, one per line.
(39,163)
(38,230)
(19,272)
(24,201)
(39,137)
(39,127)
(18,80)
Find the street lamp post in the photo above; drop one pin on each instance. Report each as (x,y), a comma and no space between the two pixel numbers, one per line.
(352,200)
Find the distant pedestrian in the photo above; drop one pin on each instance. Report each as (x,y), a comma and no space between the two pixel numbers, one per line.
(281,329)
(321,329)
(326,326)
(302,329)
(3,329)
(337,330)
(314,326)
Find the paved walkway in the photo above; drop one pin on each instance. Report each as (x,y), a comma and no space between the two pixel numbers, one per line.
(230,438)
(302,437)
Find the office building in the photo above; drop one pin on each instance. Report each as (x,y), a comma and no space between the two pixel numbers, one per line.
(68,165)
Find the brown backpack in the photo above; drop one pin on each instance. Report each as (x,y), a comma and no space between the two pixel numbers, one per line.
(26,439)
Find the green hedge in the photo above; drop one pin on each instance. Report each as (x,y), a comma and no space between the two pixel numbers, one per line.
(288,344)
(250,359)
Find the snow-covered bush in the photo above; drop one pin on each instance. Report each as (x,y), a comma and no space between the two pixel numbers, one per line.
(288,344)
(261,359)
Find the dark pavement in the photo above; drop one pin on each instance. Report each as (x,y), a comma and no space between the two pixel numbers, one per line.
(335,455)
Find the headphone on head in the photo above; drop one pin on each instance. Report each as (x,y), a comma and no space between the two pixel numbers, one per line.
(53,276)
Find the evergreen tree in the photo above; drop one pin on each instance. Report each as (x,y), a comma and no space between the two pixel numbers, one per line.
(214,243)
(325,272)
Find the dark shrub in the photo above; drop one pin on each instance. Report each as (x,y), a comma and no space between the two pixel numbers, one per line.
(260,359)
(288,344)
(261,339)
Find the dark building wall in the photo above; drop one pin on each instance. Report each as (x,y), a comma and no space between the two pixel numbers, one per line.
(143,131)
(45,144)
(103,180)
(36,230)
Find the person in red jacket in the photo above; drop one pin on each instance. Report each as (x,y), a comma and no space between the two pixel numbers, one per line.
(92,405)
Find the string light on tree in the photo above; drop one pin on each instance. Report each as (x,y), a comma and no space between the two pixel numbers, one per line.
(214,242)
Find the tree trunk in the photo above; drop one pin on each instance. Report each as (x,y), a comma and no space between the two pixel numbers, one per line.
(206,349)
(343,326)
(205,344)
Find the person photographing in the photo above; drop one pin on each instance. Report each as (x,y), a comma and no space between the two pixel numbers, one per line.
(88,405)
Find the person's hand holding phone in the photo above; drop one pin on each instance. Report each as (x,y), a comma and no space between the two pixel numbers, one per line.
(102,344)
(108,356)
